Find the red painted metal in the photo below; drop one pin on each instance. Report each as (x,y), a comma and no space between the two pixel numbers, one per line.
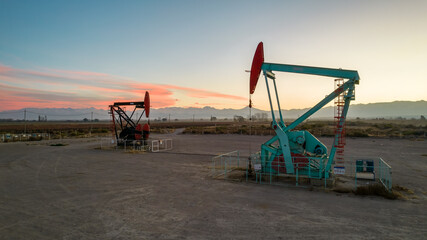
(300,161)
(138,129)
(147,104)
(256,67)
(339,130)
(146,131)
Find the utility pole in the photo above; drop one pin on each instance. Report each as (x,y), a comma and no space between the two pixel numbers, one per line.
(91,123)
(25,121)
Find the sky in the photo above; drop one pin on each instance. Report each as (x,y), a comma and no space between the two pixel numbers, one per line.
(78,54)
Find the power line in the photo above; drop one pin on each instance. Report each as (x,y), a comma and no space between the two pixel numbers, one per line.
(11,112)
(60,115)
(55,115)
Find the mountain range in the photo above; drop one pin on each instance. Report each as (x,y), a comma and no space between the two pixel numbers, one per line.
(396,109)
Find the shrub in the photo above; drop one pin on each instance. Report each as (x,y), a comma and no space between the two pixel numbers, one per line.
(357,134)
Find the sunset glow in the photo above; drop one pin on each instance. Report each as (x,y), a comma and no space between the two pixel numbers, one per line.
(62,54)
(72,89)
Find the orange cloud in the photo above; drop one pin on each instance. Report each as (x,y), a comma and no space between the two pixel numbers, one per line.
(21,88)
(4,69)
(201,93)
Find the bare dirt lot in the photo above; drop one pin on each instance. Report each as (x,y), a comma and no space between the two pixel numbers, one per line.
(80,192)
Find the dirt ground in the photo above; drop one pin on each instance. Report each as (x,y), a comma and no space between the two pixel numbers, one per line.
(80,192)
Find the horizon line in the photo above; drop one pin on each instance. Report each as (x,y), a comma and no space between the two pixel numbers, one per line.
(23,109)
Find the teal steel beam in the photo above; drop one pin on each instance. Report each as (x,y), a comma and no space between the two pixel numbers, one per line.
(281,123)
(327,72)
(321,104)
(269,98)
(278,128)
(272,140)
(286,150)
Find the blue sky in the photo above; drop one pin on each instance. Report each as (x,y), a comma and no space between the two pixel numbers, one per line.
(194,53)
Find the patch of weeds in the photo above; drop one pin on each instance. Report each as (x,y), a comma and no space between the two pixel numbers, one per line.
(135,151)
(400,195)
(376,190)
(402,189)
(236,176)
(58,144)
(424,155)
(357,134)
(341,190)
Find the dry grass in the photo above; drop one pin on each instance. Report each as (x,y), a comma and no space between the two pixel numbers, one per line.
(58,144)
(376,190)
(402,189)
(342,190)
(398,192)
(413,129)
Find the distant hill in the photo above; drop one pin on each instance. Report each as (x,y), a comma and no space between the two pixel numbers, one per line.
(404,109)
